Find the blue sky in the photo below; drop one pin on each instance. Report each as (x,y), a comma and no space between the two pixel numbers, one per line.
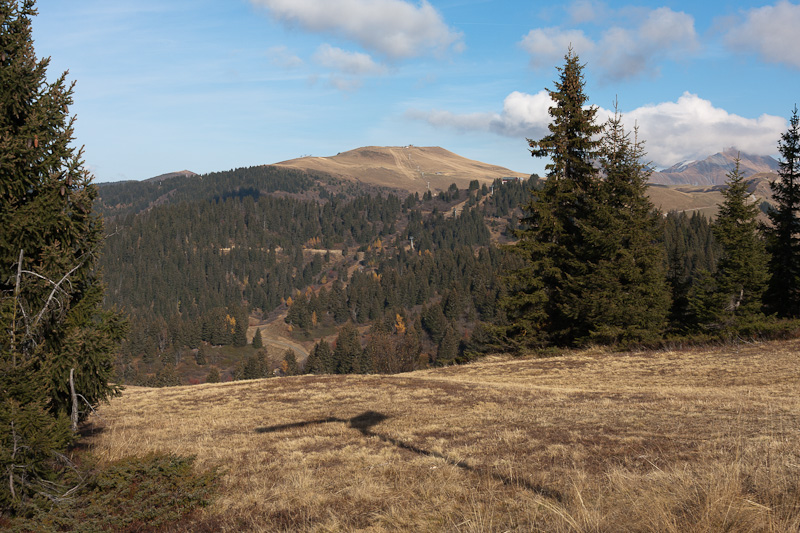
(166,85)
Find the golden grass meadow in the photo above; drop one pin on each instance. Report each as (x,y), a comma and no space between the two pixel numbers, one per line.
(665,441)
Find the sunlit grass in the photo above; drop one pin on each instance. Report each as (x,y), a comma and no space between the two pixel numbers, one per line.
(701,440)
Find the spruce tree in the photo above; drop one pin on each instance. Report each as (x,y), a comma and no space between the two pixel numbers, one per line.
(347,354)
(783,237)
(53,326)
(542,295)
(625,297)
(325,363)
(732,296)
(257,340)
(447,352)
(290,359)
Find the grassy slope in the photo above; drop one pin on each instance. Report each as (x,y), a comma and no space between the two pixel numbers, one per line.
(410,168)
(702,440)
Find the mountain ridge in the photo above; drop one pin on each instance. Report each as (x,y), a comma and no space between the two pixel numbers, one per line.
(714,169)
(413,168)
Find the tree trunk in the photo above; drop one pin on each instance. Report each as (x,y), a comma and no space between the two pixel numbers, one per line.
(74,400)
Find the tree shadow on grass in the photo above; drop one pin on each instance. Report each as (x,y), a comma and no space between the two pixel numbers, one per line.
(86,434)
(364,424)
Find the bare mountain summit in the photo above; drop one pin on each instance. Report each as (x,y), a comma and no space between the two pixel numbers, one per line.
(713,170)
(413,168)
(170,175)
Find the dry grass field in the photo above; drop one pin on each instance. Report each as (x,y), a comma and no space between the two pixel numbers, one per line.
(700,440)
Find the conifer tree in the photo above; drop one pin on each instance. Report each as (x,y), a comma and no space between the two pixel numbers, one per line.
(213,375)
(312,361)
(542,294)
(690,250)
(625,295)
(53,326)
(290,359)
(257,340)
(447,351)
(783,237)
(733,295)
(347,354)
(321,360)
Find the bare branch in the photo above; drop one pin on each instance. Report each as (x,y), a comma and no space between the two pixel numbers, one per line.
(57,287)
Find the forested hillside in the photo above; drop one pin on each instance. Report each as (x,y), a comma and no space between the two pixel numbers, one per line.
(195,260)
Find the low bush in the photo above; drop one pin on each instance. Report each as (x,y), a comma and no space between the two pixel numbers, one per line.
(154,492)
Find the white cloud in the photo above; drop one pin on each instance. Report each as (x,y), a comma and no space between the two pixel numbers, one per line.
(621,52)
(354,63)
(692,127)
(586,11)
(461,122)
(345,84)
(393,28)
(548,45)
(770,31)
(524,115)
(689,128)
(281,56)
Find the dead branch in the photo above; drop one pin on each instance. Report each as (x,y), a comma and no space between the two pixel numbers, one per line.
(56,287)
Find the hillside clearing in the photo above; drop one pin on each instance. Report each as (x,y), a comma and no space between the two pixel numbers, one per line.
(700,440)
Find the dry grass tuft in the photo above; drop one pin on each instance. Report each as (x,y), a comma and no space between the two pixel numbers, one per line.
(702,440)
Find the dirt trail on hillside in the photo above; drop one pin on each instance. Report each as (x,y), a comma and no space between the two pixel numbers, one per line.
(273,336)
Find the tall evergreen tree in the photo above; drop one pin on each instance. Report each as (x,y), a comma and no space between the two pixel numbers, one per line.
(320,360)
(258,342)
(733,294)
(783,237)
(53,326)
(625,294)
(347,355)
(542,294)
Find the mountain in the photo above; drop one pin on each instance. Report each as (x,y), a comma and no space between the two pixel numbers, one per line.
(713,170)
(412,168)
(170,175)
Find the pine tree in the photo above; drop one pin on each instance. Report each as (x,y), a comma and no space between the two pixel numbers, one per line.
(447,352)
(733,295)
(542,294)
(213,375)
(290,359)
(347,355)
(323,362)
(783,237)
(625,297)
(257,341)
(53,325)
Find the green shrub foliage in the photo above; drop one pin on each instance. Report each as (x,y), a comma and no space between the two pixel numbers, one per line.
(50,283)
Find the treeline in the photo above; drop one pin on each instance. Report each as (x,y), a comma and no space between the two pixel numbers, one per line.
(180,269)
